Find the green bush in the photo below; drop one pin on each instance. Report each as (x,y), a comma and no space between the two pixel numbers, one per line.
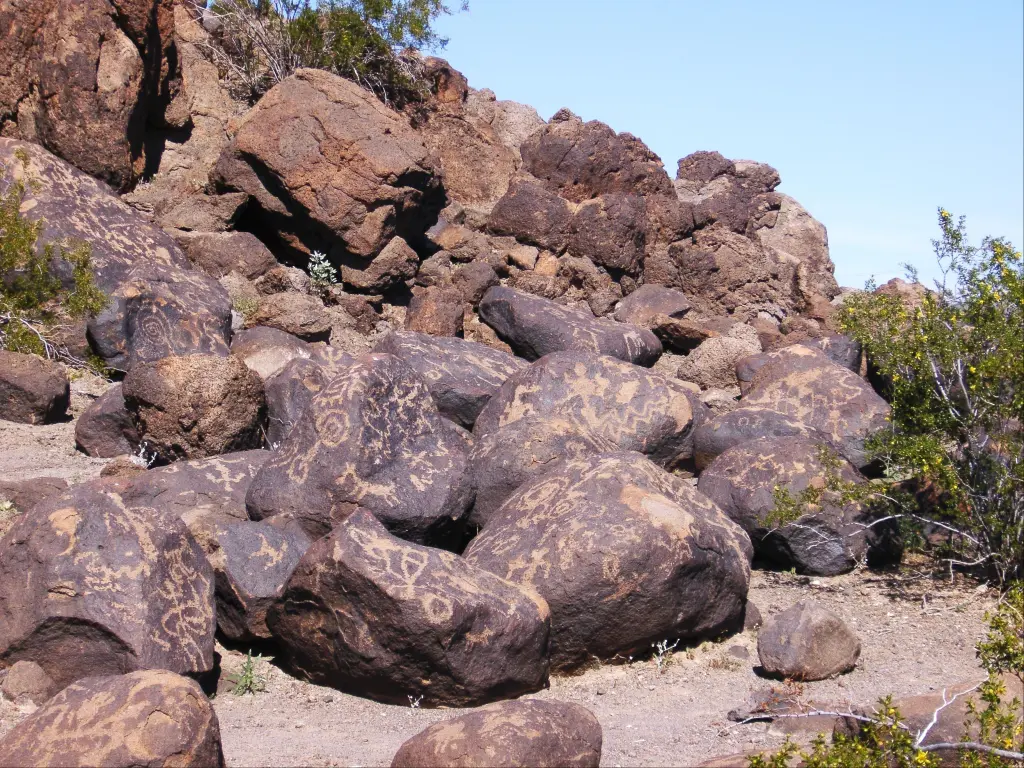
(953,369)
(32,300)
(261,42)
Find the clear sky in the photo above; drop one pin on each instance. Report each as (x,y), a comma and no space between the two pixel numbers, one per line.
(874,113)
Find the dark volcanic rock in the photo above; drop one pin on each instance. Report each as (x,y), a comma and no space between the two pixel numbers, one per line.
(395,264)
(508,734)
(807,642)
(757,370)
(27,681)
(196,406)
(824,541)
(503,460)
(634,408)
(379,617)
(94,586)
(218,253)
(532,215)
(105,429)
(25,494)
(295,313)
(535,327)
(437,311)
(268,350)
(610,230)
(371,438)
(649,306)
(462,376)
(624,553)
(32,390)
(723,432)
(153,717)
(288,394)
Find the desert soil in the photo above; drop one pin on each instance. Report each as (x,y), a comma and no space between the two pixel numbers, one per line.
(917,628)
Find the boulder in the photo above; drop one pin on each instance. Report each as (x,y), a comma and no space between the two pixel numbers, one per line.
(651,306)
(462,376)
(713,363)
(196,406)
(473,280)
(343,202)
(532,215)
(25,494)
(726,192)
(395,264)
(74,206)
(94,586)
(152,717)
(82,78)
(32,390)
(289,391)
(26,681)
(807,642)
(436,311)
(505,459)
(372,438)
(105,429)
(535,327)
(610,230)
(219,253)
(831,399)
(379,617)
(159,311)
(762,368)
(547,734)
(268,350)
(625,554)
(295,313)
(511,121)
(824,541)
(741,425)
(635,409)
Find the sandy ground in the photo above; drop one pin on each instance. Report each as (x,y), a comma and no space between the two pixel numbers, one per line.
(918,632)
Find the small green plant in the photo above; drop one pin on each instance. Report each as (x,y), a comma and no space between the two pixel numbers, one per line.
(246,306)
(321,272)
(663,654)
(249,679)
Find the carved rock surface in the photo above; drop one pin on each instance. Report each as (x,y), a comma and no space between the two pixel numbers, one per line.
(153,717)
(546,734)
(94,586)
(371,438)
(624,553)
(634,408)
(462,376)
(535,327)
(721,433)
(379,617)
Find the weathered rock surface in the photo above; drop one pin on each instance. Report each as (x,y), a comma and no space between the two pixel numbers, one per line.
(94,586)
(349,173)
(105,429)
(395,264)
(650,306)
(371,438)
(437,311)
(624,553)
(724,431)
(635,409)
(762,368)
(713,363)
(295,313)
(826,540)
(32,390)
(196,406)
(807,642)
(25,494)
(219,253)
(26,681)
(268,350)
(535,327)
(503,460)
(508,734)
(532,215)
(462,376)
(154,717)
(379,617)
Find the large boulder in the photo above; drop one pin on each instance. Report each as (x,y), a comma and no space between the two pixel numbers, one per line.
(828,539)
(625,554)
(290,390)
(105,429)
(93,586)
(83,76)
(532,215)
(268,350)
(649,305)
(635,409)
(32,390)
(807,642)
(159,311)
(294,313)
(220,253)
(152,718)
(724,191)
(348,173)
(25,494)
(196,406)
(75,206)
(371,438)
(508,734)
(534,327)
(503,460)
(721,433)
(764,367)
(397,622)
(831,399)
(713,363)
(610,230)
(462,376)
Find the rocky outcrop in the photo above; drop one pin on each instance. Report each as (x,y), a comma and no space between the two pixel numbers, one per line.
(675,566)
(397,622)
(32,390)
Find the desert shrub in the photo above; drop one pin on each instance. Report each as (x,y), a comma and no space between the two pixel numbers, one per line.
(953,370)
(321,272)
(261,42)
(32,300)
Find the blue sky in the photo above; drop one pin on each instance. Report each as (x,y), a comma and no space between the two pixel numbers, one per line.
(874,113)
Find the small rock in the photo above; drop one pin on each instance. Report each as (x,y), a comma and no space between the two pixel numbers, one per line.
(27,681)
(32,390)
(807,642)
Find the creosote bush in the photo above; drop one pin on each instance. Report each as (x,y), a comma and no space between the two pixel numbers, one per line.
(32,300)
(258,43)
